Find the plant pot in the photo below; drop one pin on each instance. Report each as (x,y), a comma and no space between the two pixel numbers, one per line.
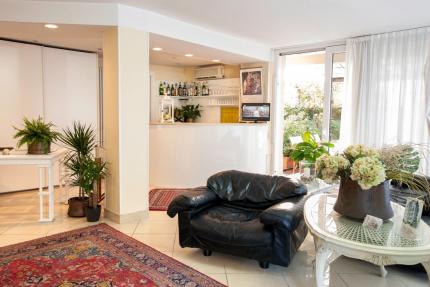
(77,206)
(355,202)
(189,120)
(38,148)
(288,163)
(93,214)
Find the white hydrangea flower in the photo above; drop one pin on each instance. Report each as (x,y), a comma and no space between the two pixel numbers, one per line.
(368,172)
(329,166)
(354,152)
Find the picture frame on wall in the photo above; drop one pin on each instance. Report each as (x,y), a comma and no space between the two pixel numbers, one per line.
(251,82)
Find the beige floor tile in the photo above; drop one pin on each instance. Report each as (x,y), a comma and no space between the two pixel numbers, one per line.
(256,280)
(222,278)
(360,280)
(36,228)
(12,239)
(127,228)
(234,264)
(157,227)
(205,264)
(160,215)
(349,265)
(162,242)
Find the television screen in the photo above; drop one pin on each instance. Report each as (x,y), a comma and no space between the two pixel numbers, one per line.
(256,112)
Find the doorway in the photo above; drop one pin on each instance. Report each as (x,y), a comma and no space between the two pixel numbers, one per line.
(311,89)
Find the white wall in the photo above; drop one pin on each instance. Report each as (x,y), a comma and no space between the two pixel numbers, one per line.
(59,85)
(185,155)
(21,95)
(126,120)
(70,87)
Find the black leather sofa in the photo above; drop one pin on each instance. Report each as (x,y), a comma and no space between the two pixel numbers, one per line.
(243,214)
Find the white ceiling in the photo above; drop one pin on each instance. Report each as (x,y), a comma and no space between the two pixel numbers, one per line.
(88,37)
(277,23)
(173,53)
(70,36)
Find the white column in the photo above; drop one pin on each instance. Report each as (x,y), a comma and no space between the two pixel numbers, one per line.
(126,121)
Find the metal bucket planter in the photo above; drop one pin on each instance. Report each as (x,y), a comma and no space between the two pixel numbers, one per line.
(355,202)
(38,148)
(77,206)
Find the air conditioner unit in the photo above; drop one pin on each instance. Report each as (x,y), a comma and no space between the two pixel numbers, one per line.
(211,72)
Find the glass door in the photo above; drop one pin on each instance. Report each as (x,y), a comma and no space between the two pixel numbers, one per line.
(334,89)
(311,85)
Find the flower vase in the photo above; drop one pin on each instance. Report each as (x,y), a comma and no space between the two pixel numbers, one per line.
(355,202)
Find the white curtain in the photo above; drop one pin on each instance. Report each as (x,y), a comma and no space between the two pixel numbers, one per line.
(387,89)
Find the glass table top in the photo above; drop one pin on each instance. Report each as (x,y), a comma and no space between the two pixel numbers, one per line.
(321,216)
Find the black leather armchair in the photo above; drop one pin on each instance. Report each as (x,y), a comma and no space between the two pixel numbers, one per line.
(243,214)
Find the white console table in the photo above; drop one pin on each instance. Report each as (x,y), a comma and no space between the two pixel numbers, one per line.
(45,163)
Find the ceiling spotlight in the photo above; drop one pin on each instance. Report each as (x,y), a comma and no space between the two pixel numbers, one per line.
(51,26)
(215,60)
(157,49)
(189,55)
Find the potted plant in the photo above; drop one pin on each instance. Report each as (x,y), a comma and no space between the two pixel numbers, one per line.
(38,136)
(288,163)
(86,173)
(307,152)
(80,140)
(190,113)
(364,173)
(178,115)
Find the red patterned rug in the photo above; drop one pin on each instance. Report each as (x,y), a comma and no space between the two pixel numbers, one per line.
(96,256)
(160,198)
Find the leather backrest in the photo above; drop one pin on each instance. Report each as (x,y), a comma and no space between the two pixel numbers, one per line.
(249,188)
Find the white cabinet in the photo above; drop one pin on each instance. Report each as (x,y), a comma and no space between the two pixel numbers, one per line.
(60,85)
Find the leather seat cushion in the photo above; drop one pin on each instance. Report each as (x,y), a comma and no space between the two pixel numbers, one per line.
(231,226)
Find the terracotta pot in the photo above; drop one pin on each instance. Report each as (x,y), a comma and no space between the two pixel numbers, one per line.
(77,206)
(38,148)
(355,202)
(288,163)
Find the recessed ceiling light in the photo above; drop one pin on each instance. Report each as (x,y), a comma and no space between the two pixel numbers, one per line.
(51,26)
(189,55)
(157,49)
(215,60)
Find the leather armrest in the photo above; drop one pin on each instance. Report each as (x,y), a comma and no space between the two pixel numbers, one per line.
(287,213)
(191,199)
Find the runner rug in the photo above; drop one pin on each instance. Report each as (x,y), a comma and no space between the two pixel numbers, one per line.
(98,256)
(159,198)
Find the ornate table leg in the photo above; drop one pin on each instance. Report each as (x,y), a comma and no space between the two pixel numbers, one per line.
(382,270)
(324,256)
(426,266)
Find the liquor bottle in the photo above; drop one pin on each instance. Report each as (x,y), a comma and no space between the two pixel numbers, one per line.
(161,89)
(196,90)
(180,90)
(169,90)
(204,90)
(164,89)
(185,92)
(173,90)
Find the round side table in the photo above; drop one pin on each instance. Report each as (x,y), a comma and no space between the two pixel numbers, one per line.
(335,235)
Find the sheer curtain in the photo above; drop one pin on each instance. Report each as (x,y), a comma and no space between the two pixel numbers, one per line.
(387,89)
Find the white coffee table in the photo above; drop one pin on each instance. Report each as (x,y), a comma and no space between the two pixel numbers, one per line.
(335,235)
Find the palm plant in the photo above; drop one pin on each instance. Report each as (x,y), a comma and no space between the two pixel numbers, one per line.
(80,140)
(85,172)
(36,131)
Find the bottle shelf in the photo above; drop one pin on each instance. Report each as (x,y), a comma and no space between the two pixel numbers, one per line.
(199,97)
